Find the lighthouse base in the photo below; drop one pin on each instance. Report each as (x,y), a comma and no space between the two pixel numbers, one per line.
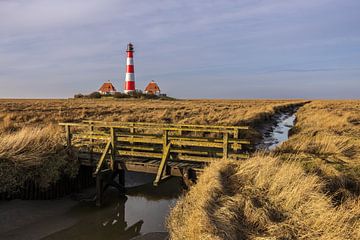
(129,91)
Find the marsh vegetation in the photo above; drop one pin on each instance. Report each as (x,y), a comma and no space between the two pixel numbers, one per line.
(307,188)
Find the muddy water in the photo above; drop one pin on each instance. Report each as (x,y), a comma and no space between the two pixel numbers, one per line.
(274,135)
(139,215)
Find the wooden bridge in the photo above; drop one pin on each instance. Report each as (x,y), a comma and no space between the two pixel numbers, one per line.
(163,149)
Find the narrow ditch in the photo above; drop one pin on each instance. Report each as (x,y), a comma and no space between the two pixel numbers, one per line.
(277,131)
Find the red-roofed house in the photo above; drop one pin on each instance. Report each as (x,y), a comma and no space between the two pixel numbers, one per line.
(152,88)
(107,89)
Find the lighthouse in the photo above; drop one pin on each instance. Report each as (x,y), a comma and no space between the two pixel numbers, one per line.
(130,75)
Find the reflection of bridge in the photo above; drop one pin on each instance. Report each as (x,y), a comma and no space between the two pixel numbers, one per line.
(163,149)
(108,222)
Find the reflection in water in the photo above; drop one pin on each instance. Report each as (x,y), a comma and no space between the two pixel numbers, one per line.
(106,223)
(144,210)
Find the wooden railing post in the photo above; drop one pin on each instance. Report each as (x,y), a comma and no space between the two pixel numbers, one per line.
(132,131)
(165,138)
(113,148)
(226,144)
(68,135)
(236,137)
(91,129)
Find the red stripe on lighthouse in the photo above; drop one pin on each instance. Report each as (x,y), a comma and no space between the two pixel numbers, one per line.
(130,85)
(129,54)
(130,68)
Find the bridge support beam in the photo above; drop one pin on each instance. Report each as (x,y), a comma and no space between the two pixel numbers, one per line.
(121,173)
(99,189)
(105,179)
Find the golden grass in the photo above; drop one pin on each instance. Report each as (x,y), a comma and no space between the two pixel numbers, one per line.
(33,153)
(326,140)
(30,140)
(261,198)
(227,112)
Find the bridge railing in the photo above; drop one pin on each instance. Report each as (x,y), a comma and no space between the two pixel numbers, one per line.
(122,141)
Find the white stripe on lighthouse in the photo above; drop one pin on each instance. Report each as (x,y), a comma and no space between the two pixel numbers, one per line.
(130,77)
(129,61)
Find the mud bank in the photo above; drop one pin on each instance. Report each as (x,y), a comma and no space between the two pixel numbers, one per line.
(31,190)
(275,129)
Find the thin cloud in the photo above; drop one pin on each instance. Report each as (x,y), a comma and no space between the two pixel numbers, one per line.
(179,43)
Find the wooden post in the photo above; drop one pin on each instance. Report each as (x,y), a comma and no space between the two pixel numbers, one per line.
(99,189)
(165,138)
(226,144)
(236,137)
(91,143)
(122,179)
(132,131)
(68,135)
(113,148)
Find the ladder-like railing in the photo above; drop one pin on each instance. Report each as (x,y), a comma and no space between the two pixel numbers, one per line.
(166,142)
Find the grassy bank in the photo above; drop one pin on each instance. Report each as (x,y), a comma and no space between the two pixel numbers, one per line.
(309,189)
(35,154)
(261,198)
(326,140)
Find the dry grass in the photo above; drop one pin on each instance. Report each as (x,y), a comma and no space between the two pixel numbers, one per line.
(326,140)
(262,198)
(310,190)
(227,112)
(33,153)
(30,141)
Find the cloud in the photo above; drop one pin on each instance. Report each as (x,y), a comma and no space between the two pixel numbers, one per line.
(178,43)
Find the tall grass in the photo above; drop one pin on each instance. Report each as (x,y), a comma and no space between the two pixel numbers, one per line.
(326,140)
(33,153)
(261,198)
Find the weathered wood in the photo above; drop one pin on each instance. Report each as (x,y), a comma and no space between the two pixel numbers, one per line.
(196,143)
(163,149)
(225,145)
(99,189)
(166,125)
(102,158)
(162,166)
(113,148)
(170,127)
(68,135)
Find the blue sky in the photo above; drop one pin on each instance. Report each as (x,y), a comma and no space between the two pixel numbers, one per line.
(193,49)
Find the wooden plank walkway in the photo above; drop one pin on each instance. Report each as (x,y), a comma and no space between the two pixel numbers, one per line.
(163,149)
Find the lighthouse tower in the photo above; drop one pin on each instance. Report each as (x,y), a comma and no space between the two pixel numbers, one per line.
(130,75)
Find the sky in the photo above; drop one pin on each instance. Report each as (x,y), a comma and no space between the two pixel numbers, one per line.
(192,49)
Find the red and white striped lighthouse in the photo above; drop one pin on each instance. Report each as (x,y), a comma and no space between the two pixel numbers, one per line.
(130,75)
